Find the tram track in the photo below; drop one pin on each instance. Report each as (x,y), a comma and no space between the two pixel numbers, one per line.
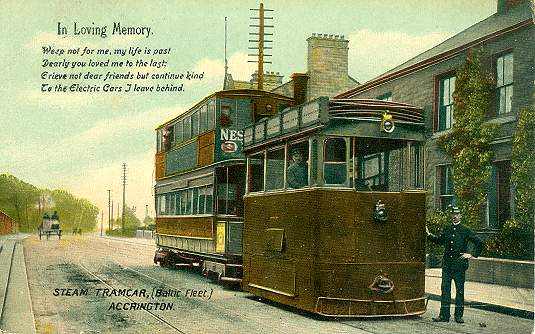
(215,308)
(110,286)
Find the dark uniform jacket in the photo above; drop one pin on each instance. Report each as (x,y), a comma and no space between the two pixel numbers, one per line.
(455,239)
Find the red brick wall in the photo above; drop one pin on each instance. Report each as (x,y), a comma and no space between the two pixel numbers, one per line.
(7,225)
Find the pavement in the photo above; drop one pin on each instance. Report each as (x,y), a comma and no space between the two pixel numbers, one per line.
(16,313)
(497,298)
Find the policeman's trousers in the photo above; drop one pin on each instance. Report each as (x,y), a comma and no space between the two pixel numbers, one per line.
(458,276)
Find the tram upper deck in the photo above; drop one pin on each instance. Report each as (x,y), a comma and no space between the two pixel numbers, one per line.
(212,130)
(366,145)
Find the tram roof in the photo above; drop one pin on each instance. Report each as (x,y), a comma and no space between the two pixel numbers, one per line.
(231,93)
(336,116)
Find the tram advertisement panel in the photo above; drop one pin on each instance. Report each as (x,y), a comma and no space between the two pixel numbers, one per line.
(130,204)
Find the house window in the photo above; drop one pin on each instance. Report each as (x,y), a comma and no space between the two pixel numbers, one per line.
(445,103)
(504,83)
(500,194)
(416,166)
(445,187)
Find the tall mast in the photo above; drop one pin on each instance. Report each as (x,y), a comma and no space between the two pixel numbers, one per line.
(226,61)
(261,41)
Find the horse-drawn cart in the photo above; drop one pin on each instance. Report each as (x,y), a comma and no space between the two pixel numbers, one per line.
(49,226)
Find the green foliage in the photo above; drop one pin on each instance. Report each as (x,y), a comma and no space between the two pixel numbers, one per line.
(131,224)
(435,224)
(523,167)
(18,200)
(468,143)
(148,221)
(74,212)
(26,204)
(512,242)
(515,238)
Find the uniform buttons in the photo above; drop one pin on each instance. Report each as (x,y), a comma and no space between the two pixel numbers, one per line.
(451,242)
(453,235)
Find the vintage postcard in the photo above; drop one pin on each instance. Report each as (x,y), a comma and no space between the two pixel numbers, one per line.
(267,166)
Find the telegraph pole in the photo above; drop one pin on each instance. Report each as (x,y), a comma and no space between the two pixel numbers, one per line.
(124,195)
(109,210)
(101,221)
(261,41)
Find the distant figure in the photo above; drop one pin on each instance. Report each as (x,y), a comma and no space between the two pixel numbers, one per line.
(46,221)
(455,238)
(297,171)
(55,216)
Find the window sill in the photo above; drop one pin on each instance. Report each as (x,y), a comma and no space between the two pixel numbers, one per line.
(503,119)
(441,133)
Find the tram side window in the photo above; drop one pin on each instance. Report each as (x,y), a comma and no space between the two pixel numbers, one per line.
(334,161)
(256,172)
(178,132)
(187,128)
(275,169)
(178,202)
(297,173)
(161,204)
(211,115)
(205,200)
(195,123)
(202,119)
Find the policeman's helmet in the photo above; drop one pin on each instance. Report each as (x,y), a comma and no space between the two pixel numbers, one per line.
(453,209)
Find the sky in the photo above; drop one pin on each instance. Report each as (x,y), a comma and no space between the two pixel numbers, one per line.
(78,141)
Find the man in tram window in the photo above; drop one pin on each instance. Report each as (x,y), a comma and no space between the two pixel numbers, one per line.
(297,170)
(455,238)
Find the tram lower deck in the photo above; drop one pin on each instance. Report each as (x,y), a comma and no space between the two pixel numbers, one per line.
(321,250)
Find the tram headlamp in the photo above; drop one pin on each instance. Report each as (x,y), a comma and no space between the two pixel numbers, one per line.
(382,284)
(379,214)
(387,122)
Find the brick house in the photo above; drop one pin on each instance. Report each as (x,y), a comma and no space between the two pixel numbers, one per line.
(7,225)
(507,40)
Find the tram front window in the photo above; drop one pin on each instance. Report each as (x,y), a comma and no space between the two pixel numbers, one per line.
(230,190)
(380,165)
(335,165)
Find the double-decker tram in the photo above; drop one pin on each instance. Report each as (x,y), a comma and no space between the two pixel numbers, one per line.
(334,210)
(200,173)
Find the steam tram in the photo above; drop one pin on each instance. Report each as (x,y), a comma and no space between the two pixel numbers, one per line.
(200,173)
(334,219)
(319,206)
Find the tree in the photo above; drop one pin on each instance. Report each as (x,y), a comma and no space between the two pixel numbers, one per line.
(468,143)
(515,238)
(25,204)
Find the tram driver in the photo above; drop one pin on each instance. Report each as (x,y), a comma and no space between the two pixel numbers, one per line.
(297,170)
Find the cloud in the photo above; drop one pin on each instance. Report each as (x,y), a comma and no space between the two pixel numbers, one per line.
(371,52)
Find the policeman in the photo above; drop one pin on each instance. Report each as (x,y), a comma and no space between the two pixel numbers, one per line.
(455,238)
